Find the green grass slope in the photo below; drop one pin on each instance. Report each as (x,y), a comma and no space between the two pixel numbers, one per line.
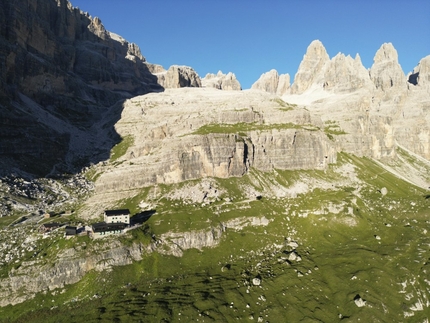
(352,248)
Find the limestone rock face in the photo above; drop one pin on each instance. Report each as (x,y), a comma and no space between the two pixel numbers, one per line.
(69,73)
(312,64)
(421,73)
(345,74)
(272,82)
(386,72)
(283,84)
(222,81)
(169,147)
(34,277)
(179,76)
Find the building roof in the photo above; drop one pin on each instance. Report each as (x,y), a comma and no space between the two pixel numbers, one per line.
(71,230)
(51,225)
(103,226)
(117,212)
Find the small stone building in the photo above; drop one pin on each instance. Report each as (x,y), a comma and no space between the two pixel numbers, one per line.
(117,216)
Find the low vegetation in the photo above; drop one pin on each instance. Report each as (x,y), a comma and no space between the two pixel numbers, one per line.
(284,106)
(332,129)
(121,148)
(243,128)
(353,247)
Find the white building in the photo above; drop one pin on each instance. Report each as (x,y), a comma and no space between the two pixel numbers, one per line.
(117,216)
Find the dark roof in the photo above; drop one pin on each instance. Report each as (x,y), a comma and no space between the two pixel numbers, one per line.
(103,226)
(71,230)
(51,225)
(117,212)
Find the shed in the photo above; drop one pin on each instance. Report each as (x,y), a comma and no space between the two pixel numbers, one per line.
(71,231)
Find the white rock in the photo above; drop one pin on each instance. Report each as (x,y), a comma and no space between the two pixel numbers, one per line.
(359,301)
(256,281)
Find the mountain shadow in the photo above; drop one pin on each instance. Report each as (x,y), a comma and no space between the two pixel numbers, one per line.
(63,81)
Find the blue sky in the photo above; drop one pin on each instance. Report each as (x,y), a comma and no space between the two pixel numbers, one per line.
(250,37)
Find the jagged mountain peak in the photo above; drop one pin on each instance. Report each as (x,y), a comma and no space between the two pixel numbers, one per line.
(386,52)
(386,72)
(222,81)
(313,62)
(272,82)
(316,49)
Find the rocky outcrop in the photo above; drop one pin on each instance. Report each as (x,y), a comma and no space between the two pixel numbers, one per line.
(171,147)
(272,82)
(421,74)
(175,243)
(179,76)
(33,276)
(386,72)
(376,108)
(222,81)
(63,63)
(345,74)
(340,74)
(311,66)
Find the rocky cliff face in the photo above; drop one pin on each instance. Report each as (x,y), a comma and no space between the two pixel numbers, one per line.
(174,140)
(272,82)
(33,276)
(61,66)
(421,74)
(386,72)
(373,109)
(179,76)
(222,81)
(311,66)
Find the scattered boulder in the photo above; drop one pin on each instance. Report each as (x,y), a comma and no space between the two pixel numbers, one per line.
(359,301)
(291,245)
(256,281)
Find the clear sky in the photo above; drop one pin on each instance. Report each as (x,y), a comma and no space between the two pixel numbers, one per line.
(250,37)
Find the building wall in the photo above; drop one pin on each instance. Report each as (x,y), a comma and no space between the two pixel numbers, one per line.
(105,234)
(117,219)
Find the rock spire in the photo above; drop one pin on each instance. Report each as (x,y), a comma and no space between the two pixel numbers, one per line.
(312,64)
(272,82)
(222,81)
(386,72)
